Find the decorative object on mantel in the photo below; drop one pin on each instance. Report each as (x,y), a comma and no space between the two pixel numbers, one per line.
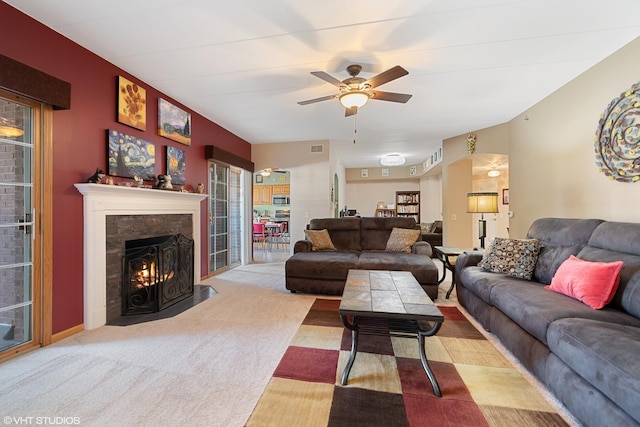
(164,182)
(618,137)
(132,104)
(471,143)
(130,156)
(200,188)
(96,177)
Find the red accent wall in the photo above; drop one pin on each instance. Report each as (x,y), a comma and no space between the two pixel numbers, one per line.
(79,140)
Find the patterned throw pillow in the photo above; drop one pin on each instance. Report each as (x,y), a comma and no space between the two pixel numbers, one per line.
(514,257)
(402,239)
(320,240)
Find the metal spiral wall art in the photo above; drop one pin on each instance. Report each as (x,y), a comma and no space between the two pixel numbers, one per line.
(617,140)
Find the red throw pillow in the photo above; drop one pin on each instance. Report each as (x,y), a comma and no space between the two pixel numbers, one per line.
(593,283)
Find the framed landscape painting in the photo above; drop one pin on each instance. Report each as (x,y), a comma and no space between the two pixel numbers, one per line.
(130,156)
(173,122)
(132,104)
(176,165)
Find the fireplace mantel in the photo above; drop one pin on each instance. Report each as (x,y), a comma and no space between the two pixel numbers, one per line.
(102,200)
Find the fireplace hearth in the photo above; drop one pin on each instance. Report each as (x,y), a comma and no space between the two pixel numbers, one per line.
(157,273)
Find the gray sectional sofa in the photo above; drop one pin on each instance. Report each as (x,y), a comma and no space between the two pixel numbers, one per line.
(589,359)
(360,244)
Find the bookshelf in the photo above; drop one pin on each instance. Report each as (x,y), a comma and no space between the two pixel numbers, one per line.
(385,213)
(408,204)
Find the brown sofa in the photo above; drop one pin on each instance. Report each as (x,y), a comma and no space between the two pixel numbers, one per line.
(434,234)
(360,244)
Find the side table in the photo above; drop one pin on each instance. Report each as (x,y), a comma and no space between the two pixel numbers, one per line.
(448,256)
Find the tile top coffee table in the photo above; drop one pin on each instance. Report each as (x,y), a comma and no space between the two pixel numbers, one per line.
(395,296)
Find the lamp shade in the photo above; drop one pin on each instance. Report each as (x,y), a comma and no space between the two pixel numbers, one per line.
(482,202)
(354,98)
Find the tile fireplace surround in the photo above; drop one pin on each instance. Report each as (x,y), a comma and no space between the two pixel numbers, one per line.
(102,200)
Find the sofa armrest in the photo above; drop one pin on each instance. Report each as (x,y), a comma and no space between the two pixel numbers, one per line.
(435,239)
(470,258)
(302,246)
(423,248)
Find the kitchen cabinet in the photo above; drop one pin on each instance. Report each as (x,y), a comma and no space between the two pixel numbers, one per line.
(280,190)
(262,194)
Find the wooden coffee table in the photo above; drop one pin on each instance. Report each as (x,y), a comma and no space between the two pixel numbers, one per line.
(395,296)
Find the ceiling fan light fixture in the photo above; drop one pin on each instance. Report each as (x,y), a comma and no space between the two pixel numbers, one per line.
(393,160)
(9,129)
(356,98)
(265,173)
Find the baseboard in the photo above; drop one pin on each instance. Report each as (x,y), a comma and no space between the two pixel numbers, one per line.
(67,333)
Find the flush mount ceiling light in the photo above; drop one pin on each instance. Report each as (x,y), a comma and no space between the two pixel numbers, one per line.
(393,160)
(494,173)
(355,98)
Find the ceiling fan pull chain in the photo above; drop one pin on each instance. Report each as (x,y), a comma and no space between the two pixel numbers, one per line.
(355,128)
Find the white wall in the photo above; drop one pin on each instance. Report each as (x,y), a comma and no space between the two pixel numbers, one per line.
(551,149)
(364,196)
(310,179)
(431,198)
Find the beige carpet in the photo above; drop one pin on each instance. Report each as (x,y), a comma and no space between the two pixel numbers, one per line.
(205,367)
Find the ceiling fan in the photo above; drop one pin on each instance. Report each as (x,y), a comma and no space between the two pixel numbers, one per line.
(356,91)
(268,171)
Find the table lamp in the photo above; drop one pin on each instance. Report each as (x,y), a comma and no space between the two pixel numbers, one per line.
(482,203)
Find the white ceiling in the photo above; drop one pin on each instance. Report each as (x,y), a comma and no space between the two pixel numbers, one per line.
(245,64)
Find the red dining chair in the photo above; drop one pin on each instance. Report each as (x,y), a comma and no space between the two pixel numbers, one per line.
(259,234)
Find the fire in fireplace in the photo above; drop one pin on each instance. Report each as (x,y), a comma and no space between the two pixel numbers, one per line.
(158,272)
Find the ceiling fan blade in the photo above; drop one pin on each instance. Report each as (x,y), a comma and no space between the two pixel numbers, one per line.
(324,98)
(390,96)
(387,76)
(350,111)
(328,78)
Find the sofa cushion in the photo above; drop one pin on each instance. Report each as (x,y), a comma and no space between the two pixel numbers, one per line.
(479,281)
(401,239)
(618,241)
(344,232)
(560,238)
(604,354)
(593,283)
(320,240)
(323,265)
(534,308)
(421,266)
(514,257)
(375,231)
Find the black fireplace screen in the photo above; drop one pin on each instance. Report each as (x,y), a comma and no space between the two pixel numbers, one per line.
(157,273)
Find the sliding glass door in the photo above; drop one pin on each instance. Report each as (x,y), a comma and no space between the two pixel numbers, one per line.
(19,311)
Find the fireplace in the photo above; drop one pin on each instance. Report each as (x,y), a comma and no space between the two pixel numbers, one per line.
(157,273)
(104,203)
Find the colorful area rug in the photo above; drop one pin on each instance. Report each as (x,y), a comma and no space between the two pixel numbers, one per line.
(388,386)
